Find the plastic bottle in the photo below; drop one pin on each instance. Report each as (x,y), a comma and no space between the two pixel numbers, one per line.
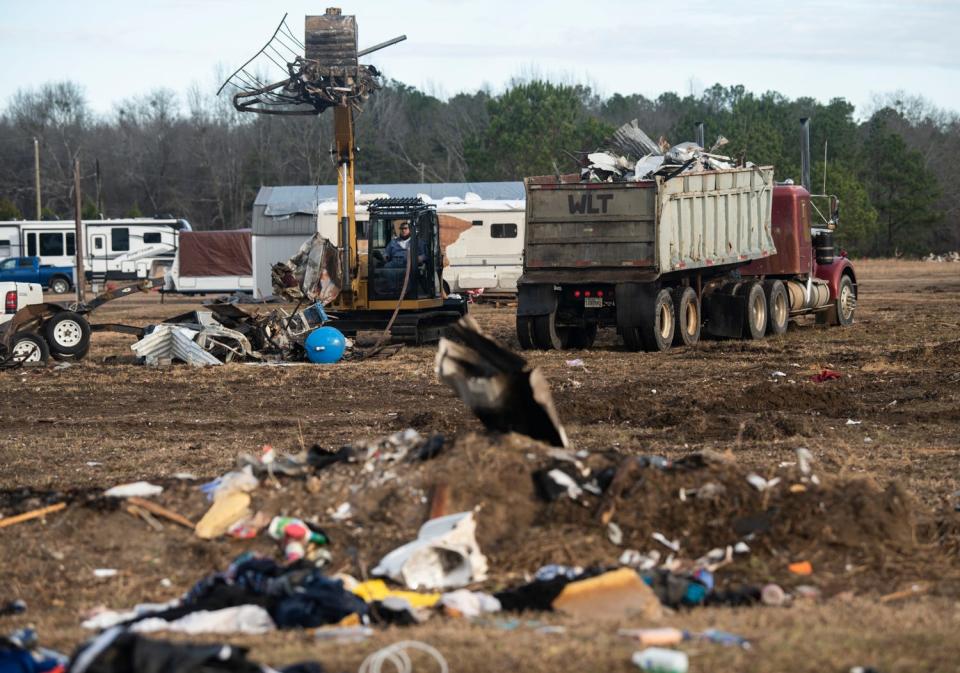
(725,638)
(661,660)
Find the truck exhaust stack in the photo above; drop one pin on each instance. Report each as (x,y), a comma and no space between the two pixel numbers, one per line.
(805,153)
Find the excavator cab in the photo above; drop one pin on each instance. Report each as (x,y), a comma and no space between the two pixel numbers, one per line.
(395,228)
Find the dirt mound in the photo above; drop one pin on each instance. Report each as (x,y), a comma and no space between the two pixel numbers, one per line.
(844,527)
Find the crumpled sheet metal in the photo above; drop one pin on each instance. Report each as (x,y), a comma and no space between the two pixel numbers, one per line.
(171,341)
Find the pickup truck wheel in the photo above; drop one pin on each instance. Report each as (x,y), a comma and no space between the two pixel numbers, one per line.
(546,334)
(67,333)
(525,332)
(583,337)
(687,317)
(778,307)
(28,349)
(59,285)
(755,319)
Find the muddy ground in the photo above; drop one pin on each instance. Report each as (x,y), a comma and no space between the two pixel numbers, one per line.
(885,438)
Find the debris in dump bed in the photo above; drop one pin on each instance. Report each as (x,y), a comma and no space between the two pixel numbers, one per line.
(497,385)
(633,156)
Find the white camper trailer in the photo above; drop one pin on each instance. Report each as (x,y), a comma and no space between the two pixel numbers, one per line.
(121,249)
(212,261)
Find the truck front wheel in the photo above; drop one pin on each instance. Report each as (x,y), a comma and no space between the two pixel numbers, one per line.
(67,333)
(59,285)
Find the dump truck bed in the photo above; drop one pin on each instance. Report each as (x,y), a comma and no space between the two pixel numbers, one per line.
(640,230)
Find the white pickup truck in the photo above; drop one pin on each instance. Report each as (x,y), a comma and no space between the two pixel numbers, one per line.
(32,330)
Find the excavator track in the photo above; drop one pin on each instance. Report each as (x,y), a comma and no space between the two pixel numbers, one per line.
(409,327)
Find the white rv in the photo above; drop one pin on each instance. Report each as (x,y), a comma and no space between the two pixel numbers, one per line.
(121,249)
(482,239)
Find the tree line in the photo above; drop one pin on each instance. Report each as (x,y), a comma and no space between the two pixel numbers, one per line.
(896,172)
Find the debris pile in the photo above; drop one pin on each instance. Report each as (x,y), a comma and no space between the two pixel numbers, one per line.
(632,157)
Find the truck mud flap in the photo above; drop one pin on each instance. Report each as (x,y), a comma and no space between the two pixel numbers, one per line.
(536,299)
(724,315)
(630,300)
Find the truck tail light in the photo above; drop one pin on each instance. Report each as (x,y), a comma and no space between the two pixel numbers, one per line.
(10,302)
(576,294)
(599,293)
(586,293)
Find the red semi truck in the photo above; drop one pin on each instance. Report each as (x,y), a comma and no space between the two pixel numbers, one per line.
(727,252)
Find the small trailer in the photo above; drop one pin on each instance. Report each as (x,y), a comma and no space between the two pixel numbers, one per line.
(212,261)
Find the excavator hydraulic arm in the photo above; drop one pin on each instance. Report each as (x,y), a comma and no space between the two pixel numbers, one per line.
(346,205)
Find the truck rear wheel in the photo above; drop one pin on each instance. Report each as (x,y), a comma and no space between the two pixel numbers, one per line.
(778,307)
(525,332)
(755,318)
(546,334)
(657,324)
(687,316)
(846,304)
(67,333)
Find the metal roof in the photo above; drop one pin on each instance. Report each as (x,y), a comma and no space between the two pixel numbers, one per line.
(282,201)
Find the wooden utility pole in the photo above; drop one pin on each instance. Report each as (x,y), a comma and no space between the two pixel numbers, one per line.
(36,172)
(78,236)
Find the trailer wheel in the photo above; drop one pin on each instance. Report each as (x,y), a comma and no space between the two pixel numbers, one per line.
(546,334)
(778,307)
(687,316)
(67,333)
(582,337)
(525,332)
(28,348)
(657,324)
(755,318)
(59,285)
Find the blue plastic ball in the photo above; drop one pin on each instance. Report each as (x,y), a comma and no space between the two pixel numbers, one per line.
(325,345)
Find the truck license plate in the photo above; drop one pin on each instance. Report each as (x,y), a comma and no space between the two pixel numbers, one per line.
(593,302)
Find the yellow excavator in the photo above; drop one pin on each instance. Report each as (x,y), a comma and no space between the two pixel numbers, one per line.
(388,273)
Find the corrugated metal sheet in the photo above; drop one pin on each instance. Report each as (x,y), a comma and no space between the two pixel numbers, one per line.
(170,341)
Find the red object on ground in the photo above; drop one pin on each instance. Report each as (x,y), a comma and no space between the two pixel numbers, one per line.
(825,375)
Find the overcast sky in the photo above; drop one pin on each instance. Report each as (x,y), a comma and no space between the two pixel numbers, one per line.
(849,48)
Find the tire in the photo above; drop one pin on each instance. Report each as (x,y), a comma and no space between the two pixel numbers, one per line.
(29,348)
(755,317)
(846,304)
(582,337)
(659,325)
(59,285)
(546,334)
(778,307)
(67,333)
(687,317)
(63,357)
(525,332)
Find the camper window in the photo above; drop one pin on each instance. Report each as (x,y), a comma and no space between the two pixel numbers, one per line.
(51,244)
(71,243)
(120,239)
(151,237)
(506,230)
(98,242)
(477,223)
(31,245)
(5,249)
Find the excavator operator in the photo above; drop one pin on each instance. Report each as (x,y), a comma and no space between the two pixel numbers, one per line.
(396,251)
